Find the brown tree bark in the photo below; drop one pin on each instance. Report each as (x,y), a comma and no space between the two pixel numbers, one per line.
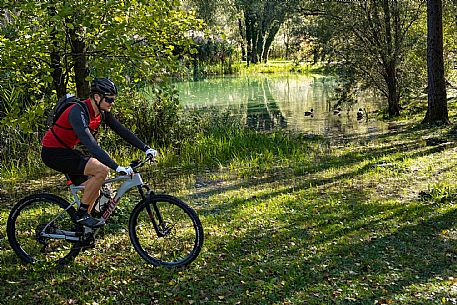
(437,112)
(58,78)
(80,66)
(243,39)
(269,40)
(247,23)
(393,96)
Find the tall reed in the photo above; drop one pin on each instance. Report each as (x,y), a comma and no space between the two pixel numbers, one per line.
(20,132)
(186,139)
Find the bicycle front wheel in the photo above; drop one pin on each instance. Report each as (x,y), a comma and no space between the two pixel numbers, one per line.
(31,223)
(165,231)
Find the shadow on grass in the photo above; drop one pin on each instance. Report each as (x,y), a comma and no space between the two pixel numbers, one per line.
(352,255)
(289,244)
(309,179)
(353,252)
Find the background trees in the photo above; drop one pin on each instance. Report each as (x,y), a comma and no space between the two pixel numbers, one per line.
(51,48)
(382,42)
(53,42)
(370,39)
(261,22)
(255,23)
(48,48)
(379,44)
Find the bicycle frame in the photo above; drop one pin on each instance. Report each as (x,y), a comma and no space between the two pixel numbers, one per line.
(130,182)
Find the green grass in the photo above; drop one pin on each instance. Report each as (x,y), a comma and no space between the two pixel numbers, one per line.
(272,67)
(287,220)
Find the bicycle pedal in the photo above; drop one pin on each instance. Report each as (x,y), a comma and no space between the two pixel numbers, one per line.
(89,246)
(88,243)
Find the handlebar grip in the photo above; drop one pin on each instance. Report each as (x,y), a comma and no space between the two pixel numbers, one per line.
(134,163)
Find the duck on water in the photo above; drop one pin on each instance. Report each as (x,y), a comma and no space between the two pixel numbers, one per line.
(309,113)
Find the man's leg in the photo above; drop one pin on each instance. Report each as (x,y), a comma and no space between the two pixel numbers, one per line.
(98,172)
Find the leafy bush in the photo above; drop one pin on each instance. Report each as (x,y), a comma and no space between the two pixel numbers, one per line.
(22,122)
(155,115)
(152,113)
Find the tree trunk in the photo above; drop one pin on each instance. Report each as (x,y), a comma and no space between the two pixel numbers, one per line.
(255,36)
(260,19)
(260,45)
(196,72)
(286,45)
(80,67)
(437,112)
(56,64)
(243,39)
(247,22)
(393,97)
(57,72)
(252,36)
(268,42)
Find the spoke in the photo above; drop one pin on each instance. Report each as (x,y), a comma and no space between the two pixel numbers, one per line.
(170,246)
(177,245)
(43,216)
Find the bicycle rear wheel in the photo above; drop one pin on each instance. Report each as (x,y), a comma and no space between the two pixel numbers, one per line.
(165,231)
(37,214)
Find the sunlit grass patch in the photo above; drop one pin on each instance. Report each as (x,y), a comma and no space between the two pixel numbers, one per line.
(275,67)
(287,220)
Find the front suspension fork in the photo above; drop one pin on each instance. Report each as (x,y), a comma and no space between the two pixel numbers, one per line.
(157,220)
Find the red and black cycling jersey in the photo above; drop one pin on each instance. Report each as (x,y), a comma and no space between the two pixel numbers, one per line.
(73,127)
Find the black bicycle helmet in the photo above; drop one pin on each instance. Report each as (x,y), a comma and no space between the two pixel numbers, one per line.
(104,86)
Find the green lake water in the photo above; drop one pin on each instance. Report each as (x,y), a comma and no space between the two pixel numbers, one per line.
(265,102)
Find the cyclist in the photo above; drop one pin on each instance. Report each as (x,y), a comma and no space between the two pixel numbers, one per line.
(78,125)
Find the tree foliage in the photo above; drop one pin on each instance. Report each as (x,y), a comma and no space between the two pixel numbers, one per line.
(256,22)
(372,39)
(262,20)
(52,46)
(212,51)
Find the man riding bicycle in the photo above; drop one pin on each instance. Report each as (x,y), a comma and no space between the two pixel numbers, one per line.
(75,126)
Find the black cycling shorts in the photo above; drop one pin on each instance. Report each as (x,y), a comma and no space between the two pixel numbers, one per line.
(66,161)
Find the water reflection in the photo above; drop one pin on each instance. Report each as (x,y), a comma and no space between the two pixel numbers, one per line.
(262,111)
(266,102)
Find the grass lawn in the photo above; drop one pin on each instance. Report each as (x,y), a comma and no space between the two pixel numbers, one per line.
(370,220)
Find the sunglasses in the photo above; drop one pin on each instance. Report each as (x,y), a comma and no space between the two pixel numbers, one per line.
(109,100)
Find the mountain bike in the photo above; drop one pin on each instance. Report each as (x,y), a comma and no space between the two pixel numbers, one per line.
(163,229)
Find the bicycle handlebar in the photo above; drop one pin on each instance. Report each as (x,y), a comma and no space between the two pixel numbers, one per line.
(134,164)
